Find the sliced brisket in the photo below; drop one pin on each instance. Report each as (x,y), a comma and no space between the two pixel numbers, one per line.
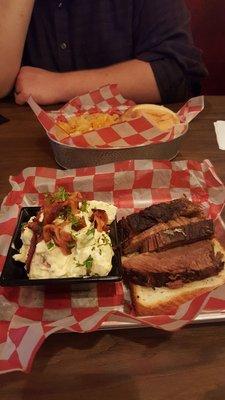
(173,233)
(163,212)
(173,267)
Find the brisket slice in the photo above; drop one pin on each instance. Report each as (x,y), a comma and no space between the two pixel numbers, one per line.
(173,233)
(173,267)
(150,216)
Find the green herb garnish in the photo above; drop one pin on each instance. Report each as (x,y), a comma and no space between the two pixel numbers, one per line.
(50,245)
(90,231)
(74,221)
(104,239)
(88,263)
(61,194)
(78,265)
(84,206)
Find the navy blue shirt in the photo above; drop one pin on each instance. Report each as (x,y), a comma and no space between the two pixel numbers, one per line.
(74,35)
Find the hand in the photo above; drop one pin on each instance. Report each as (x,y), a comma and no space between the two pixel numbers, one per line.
(44,86)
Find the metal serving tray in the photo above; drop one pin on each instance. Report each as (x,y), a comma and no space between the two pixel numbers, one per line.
(203,318)
(72,157)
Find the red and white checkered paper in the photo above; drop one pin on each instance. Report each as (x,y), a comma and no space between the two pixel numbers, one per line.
(138,132)
(30,314)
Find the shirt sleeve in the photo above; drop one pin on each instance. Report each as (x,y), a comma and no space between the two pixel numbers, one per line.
(162,37)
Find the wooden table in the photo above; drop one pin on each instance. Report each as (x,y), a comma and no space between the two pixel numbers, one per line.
(130,364)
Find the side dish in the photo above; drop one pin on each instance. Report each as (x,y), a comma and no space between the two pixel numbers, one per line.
(69,237)
(85,122)
(159,116)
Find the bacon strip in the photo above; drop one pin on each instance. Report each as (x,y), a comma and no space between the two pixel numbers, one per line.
(100,219)
(80,224)
(52,210)
(35,226)
(31,251)
(74,200)
(61,238)
(47,230)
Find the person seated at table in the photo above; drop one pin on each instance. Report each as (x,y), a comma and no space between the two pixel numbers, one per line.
(55,50)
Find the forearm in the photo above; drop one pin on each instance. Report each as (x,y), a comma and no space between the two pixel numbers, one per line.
(135,81)
(14,20)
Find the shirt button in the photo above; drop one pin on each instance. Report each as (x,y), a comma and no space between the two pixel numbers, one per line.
(63,45)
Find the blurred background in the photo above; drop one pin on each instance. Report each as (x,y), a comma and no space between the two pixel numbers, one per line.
(208,27)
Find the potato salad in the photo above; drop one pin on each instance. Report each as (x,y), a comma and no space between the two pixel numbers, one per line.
(68,238)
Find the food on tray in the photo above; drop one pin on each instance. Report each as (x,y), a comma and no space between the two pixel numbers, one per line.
(170,256)
(77,124)
(160,116)
(158,213)
(69,237)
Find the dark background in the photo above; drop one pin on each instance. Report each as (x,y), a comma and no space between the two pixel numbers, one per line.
(208,27)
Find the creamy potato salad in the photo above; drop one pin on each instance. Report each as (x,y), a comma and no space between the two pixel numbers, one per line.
(68,238)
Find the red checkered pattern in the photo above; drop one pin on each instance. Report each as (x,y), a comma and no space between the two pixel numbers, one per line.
(30,314)
(138,132)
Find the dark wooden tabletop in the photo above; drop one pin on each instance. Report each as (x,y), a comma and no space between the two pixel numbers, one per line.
(130,364)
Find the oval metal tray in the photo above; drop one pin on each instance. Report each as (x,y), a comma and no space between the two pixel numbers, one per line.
(72,157)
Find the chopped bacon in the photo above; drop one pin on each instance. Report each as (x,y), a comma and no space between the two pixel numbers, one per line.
(51,211)
(31,251)
(61,238)
(47,230)
(80,224)
(100,219)
(36,227)
(74,200)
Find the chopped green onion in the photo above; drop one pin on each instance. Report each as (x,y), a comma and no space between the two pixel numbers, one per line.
(104,239)
(84,206)
(50,245)
(88,263)
(61,194)
(90,231)
(74,221)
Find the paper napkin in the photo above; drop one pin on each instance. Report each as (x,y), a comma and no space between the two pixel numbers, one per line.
(220,133)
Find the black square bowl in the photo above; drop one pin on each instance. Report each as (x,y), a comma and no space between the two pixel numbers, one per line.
(15,274)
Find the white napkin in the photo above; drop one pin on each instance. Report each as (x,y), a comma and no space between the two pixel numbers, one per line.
(220,133)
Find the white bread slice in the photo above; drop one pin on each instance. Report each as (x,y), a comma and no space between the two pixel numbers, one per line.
(160,116)
(164,301)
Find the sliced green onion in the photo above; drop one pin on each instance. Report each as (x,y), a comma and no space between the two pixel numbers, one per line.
(50,245)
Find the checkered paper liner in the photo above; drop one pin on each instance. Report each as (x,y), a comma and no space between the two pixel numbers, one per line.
(28,315)
(135,133)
